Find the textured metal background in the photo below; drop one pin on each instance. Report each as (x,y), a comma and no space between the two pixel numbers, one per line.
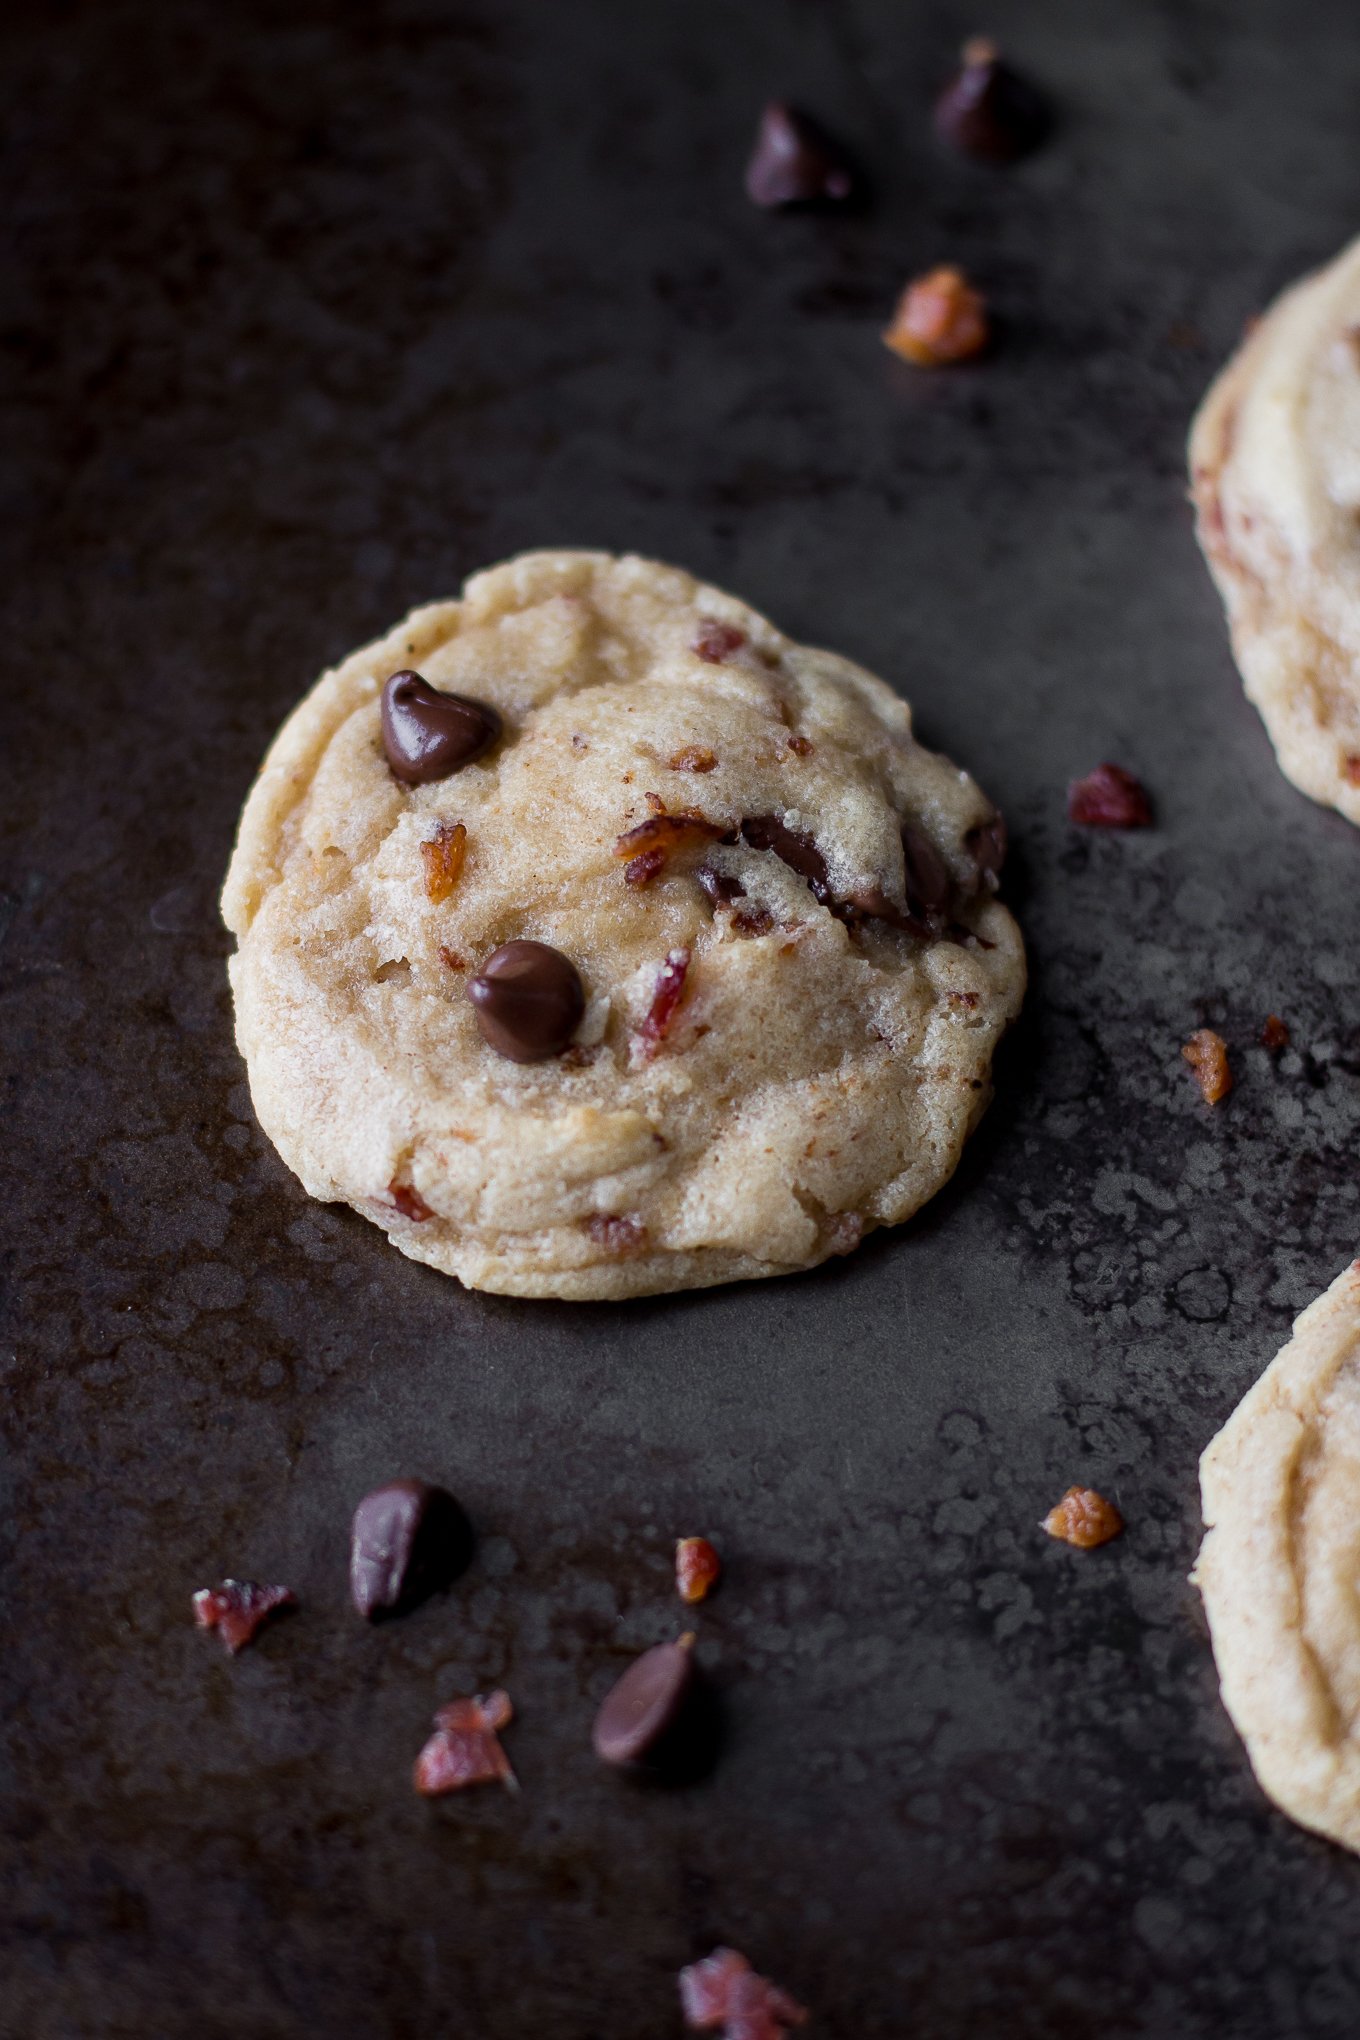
(309,311)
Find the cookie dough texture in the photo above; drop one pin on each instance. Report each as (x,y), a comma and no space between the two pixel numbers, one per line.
(816,1082)
(1280,1567)
(1275,472)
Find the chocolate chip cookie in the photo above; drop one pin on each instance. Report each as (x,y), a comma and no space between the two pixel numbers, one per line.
(594,939)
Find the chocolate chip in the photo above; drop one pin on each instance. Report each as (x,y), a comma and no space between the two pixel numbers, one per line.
(528,1000)
(408,1538)
(986,845)
(720,886)
(798,851)
(796,162)
(988,110)
(644,1716)
(927,874)
(427,735)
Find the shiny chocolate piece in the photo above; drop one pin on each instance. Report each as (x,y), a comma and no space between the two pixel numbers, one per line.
(408,1539)
(528,999)
(645,1713)
(798,851)
(428,735)
(988,110)
(927,874)
(986,845)
(796,162)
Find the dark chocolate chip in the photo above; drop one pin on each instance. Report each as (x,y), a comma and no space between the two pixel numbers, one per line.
(643,1719)
(720,886)
(927,874)
(798,851)
(986,845)
(427,735)
(408,1539)
(796,162)
(528,1000)
(989,110)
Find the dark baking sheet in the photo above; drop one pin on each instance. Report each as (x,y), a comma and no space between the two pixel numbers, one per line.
(310,311)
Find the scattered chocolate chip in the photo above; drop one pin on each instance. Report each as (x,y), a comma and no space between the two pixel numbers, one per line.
(1083,1518)
(645,1712)
(1274,1034)
(667,994)
(752,921)
(528,1000)
(694,758)
(616,1233)
(718,641)
(939,319)
(427,735)
(1109,798)
(796,162)
(988,110)
(985,843)
(720,886)
(926,873)
(465,1747)
(409,1201)
(238,1608)
(698,1568)
(792,847)
(723,1994)
(443,856)
(871,903)
(1207,1055)
(407,1540)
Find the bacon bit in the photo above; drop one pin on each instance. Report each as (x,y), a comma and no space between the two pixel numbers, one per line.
(801,747)
(1083,1518)
(451,959)
(939,318)
(1351,767)
(1274,1034)
(694,758)
(443,857)
(464,1749)
(1207,1055)
(723,1991)
(642,870)
(669,833)
(238,1608)
(655,804)
(666,997)
(617,1234)
(409,1201)
(755,920)
(698,1568)
(718,641)
(1109,798)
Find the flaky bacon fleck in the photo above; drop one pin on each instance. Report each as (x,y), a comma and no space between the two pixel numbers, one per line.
(465,1747)
(238,1608)
(409,1201)
(723,1994)
(443,856)
(667,994)
(1207,1055)
(649,848)
(718,641)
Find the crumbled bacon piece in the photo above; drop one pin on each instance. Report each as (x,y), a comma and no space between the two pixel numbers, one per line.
(1109,798)
(616,1233)
(1351,767)
(722,888)
(801,747)
(718,641)
(697,1568)
(1207,1055)
(939,318)
(669,990)
(1274,1034)
(724,1993)
(651,845)
(755,920)
(443,857)
(694,758)
(465,1749)
(409,1201)
(451,960)
(1083,1518)
(238,1608)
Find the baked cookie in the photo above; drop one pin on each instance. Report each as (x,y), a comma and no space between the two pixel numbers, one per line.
(1275,473)
(594,939)
(1280,1567)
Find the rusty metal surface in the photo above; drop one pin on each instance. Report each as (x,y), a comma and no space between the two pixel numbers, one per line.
(308,312)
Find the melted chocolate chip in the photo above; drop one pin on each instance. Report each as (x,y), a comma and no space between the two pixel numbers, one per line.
(798,851)
(643,1719)
(528,999)
(720,886)
(796,162)
(986,845)
(927,874)
(408,1538)
(427,735)
(988,110)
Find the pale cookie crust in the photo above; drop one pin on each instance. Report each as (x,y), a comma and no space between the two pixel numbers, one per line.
(818,1081)
(1275,474)
(1280,1567)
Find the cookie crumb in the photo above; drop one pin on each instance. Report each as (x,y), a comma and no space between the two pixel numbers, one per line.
(939,319)
(1207,1055)
(1083,1518)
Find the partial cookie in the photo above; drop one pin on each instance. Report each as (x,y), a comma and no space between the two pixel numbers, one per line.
(1280,1567)
(1275,469)
(777,965)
